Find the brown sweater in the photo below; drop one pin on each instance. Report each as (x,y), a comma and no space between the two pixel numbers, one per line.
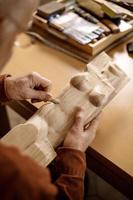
(23,179)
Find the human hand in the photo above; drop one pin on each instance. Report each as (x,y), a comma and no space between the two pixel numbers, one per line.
(78,138)
(31,86)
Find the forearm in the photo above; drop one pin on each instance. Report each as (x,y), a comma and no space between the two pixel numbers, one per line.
(3,97)
(70,169)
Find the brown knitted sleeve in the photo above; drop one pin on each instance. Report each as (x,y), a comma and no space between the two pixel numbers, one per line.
(3,97)
(70,169)
(23,179)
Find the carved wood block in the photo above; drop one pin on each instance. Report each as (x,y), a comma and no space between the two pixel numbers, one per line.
(46,130)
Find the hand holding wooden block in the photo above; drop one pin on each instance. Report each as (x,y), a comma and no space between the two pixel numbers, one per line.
(47,128)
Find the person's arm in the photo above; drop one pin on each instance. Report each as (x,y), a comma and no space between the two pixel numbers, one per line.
(22,178)
(3,97)
(70,169)
(70,164)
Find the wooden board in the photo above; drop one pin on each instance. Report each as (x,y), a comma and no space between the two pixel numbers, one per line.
(92,90)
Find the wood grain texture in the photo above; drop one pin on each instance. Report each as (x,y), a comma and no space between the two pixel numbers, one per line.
(45,130)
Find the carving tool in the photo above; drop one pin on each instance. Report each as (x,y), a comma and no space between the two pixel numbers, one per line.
(85,15)
(55,101)
(107,31)
(124,3)
(91,6)
(113,27)
(52,100)
(50,9)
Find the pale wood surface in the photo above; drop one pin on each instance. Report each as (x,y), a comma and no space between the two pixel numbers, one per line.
(115,136)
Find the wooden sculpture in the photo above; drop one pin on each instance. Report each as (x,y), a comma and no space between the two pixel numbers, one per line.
(46,129)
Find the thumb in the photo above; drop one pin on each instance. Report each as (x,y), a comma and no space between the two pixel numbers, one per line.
(79,118)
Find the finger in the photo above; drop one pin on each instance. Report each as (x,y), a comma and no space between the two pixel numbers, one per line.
(39,95)
(79,118)
(41,82)
(91,135)
(93,125)
(35,100)
(39,88)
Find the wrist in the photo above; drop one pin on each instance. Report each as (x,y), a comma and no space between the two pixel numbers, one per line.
(70,161)
(74,147)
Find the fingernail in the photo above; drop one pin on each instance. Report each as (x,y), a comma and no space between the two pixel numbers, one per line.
(48,97)
(35,100)
(80,109)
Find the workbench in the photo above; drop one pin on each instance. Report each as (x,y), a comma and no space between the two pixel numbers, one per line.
(111,154)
